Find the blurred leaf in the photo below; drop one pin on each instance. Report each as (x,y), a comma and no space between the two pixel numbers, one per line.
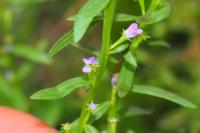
(74,125)
(153,5)
(49,111)
(27,1)
(63,42)
(24,70)
(91,129)
(85,16)
(99,111)
(62,89)
(120,17)
(134,111)
(158,42)
(173,119)
(130,131)
(119,48)
(130,59)
(157,92)
(157,15)
(13,96)
(36,54)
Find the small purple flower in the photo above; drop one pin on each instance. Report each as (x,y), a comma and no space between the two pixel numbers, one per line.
(90,62)
(133,31)
(92,106)
(114,79)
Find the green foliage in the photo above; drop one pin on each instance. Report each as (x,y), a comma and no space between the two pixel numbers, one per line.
(120,17)
(157,92)
(130,59)
(61,90)
(15,99)
(85,16)
(156,16)
(135,111)
(125,81)
(36,54)
(120,48)
(126,74)
(101,110)
(163,12)
(63,42)
(157,42)
(20,52)
(91,129)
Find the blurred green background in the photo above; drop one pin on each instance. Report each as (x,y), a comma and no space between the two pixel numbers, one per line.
(28,28)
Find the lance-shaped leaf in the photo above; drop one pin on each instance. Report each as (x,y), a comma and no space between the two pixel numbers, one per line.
(35,54)
(62,89)
(135,111)
(120,17)
(63,42)
(91,129)
(85,16)
(125,81)
(99,111)
(130,59)
(158,92)
(158,42)
(157,15)
(126,75)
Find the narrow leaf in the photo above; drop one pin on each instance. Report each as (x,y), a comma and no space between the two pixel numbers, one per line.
(135,111)
(85,16)
(125,17)
(158,42)
(101,110)
(130,59)
(125,81)
(91,129)
(157,15)
(61,90)
(35,54)
(63,42)
(153,5)
(157,92)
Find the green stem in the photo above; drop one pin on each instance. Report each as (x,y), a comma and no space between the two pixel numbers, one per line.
(112,116)
(118,42)
(107,26)
(142,6)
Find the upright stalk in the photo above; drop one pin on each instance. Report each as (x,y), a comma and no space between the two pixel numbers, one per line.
(107,26)
(112,116)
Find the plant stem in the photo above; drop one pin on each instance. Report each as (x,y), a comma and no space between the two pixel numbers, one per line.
(107,26)
(142,6)
(119,41)
(112,116)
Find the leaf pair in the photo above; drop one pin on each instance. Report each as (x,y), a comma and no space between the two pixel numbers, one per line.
(82,22)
